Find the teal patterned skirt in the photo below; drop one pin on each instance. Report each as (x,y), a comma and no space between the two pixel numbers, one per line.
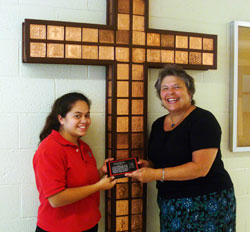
(213,212)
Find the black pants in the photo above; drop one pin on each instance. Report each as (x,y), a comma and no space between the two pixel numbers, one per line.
(94,229)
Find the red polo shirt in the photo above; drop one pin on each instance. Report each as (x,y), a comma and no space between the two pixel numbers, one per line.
(59,164)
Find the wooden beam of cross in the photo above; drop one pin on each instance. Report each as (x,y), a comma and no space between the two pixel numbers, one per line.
(128,48)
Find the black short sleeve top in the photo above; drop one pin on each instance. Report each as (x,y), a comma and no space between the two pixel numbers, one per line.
(199,130)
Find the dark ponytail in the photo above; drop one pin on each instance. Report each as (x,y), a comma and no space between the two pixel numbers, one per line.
(61,107)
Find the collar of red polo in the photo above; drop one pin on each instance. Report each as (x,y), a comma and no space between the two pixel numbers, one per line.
(59,138)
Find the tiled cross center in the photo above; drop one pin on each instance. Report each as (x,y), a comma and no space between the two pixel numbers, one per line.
(128,48)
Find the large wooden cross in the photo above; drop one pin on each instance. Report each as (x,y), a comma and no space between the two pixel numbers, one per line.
(128,48)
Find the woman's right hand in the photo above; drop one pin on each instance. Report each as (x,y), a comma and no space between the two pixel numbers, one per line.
(106,183)
(145,163)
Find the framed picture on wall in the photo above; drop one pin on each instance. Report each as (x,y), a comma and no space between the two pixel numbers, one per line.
(240,87)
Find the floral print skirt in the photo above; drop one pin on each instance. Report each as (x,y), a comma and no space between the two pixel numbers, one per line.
(213,212)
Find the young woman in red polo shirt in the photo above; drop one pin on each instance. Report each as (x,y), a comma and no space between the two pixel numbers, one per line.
(67,177)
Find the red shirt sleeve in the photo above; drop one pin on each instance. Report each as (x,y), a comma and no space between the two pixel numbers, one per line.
(50,169)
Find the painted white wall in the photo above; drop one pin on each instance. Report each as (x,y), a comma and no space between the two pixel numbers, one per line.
(28,90)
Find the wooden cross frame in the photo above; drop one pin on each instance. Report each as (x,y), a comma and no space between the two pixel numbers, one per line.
(128,48)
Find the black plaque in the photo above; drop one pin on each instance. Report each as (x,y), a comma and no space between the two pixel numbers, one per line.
(118,168)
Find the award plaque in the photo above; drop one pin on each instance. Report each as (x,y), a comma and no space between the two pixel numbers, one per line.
(118,168)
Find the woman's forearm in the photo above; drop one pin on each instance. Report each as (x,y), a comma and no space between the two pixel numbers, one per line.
(187,171)
(202,160)
(71,195)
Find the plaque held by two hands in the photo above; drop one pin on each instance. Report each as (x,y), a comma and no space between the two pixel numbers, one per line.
(118,168)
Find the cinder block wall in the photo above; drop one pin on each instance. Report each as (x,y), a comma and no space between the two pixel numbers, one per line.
(28,90)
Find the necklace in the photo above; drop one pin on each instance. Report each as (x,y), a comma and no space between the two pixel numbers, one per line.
(172,125)
(182,117)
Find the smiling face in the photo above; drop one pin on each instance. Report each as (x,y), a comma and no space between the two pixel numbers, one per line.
(76,122)
(174,94)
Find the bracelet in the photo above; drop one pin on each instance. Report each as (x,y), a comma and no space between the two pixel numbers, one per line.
(163,175)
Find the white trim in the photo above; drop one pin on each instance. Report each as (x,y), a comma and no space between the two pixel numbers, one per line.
(234,85)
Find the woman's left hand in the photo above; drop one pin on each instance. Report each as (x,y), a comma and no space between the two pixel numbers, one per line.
(144,175)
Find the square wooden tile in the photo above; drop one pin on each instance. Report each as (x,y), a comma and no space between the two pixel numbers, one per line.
(207,59)
(137,206)
(138,7)
(181,41)
(37,49)
(122,191)
(109,151)
(153,39)
(137,153)
(139,38)
(106,36)
(154,55)
(109,106)
(137,189)
(122,141)
(137,140)
(109,206)
(137,106)
(137,72)
(109,88)
(106,53)
(137,89)
(55,50)
(123,6)
(109,123)
(181,57)
(73,34)
(37,31)
(122,89)
(89,52)
(123,22)
(208,44)
(195,43)
(110,72)
(136,222)
(122,54)
(138,23)
(110,140)
(123,180)
(55,32)
(110,7)
(122,223)
(122,71)
(167,41)
(138,55)
(109,223)
(137,124)
(122,154)
(73,51)
(167,56)
(121,207)
(90,35)
(122,37)
(195,58)
(122,106)
(122,124)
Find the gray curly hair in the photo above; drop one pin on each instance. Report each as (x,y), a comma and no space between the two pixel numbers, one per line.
(174,70)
